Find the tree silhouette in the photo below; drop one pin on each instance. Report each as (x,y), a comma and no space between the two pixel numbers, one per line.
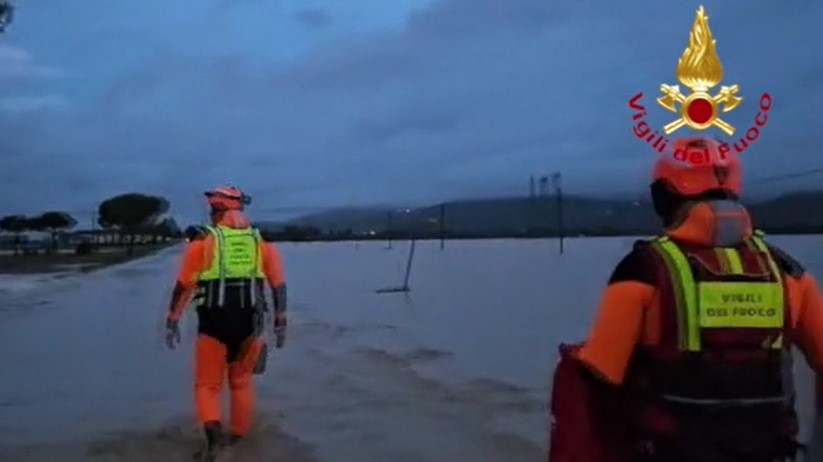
(15,224)
(6,14)
(163,228)
(54,223)
(129,213)
(193,231)
(168,228)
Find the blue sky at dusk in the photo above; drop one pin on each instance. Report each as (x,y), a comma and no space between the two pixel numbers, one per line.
(329,102)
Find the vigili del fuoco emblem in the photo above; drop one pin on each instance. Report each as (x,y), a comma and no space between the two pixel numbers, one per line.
(699,69)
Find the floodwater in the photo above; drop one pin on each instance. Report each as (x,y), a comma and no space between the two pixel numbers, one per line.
(458,369)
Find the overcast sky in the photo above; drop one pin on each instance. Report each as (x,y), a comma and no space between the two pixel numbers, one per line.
(329,102)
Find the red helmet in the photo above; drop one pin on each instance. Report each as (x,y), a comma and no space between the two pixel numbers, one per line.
(227,198)
(696,166)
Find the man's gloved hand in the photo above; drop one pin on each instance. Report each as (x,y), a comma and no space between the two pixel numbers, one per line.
(172,333)
(280,330)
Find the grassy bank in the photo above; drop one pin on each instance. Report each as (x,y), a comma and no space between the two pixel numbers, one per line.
(69,261)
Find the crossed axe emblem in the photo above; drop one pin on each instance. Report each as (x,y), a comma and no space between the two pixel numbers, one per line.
(727,97)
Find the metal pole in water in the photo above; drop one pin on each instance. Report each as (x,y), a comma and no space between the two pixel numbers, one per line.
(389,229)
(560,220)
(442,226)
(560,229)
(409,266)
(530,211)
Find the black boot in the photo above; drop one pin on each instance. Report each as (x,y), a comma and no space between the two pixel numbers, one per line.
(214,434)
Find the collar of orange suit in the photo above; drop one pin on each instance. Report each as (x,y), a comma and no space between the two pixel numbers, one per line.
(231,219)
(701,221)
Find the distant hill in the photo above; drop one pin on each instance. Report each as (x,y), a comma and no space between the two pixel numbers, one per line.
(354,218)
(798,212)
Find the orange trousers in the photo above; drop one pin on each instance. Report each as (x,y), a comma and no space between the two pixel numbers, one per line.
(210,368)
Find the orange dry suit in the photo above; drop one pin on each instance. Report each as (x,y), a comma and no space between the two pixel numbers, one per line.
(697,326)
(225,267)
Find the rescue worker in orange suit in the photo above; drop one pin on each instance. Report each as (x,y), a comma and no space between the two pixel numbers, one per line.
(696,325)
(225,267)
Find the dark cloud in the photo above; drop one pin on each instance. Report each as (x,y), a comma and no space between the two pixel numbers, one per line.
(314,18)
(470,97)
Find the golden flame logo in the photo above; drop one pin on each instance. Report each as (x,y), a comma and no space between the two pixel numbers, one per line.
(700,70)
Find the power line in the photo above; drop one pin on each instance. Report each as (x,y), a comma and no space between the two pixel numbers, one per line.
(785,176)
(292,208)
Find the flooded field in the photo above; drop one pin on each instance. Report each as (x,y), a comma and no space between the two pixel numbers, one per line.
(458,369)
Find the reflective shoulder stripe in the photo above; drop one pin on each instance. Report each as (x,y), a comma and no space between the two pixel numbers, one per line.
(761,245)
(258,255)
(685,292)
(757,238)
(257,269)
(733,258)
(213,270)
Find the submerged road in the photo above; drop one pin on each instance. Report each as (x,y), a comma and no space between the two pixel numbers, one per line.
(87,377)
(458,370)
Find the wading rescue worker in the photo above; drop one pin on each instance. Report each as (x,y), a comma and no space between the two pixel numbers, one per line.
(697,324)
(225,267)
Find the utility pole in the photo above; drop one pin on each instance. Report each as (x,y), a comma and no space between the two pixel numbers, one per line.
(389,228)
(557,179)
(442,223)
(530,208)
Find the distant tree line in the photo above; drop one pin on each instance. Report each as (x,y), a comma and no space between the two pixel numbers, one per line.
(133,214)
(53,222)
(122,218)
(294,233)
